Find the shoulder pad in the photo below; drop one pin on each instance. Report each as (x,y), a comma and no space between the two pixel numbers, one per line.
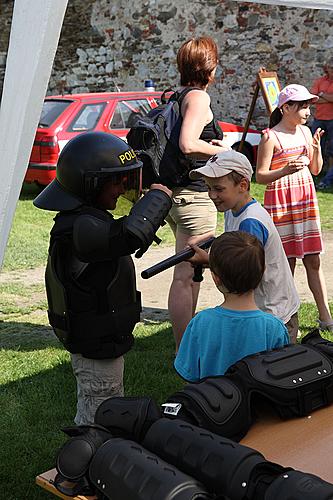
(91,236)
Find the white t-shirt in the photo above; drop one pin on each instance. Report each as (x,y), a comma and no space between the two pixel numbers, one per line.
(276,293)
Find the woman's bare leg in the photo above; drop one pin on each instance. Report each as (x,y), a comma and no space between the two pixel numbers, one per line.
(184,292)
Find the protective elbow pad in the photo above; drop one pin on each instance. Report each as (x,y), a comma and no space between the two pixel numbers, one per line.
(146,216)
(223,466)
(315,340)
(215,404)
(296,379)
(128,417)
(124,470)
(296,485)
(74,457)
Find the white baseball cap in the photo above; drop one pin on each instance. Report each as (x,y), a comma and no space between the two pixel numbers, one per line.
(222,164)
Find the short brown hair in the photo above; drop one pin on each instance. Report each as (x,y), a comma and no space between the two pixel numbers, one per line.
(235,177)
(196,59)
(238,259)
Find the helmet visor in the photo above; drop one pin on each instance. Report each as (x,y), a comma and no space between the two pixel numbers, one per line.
(126,183)
(132,183)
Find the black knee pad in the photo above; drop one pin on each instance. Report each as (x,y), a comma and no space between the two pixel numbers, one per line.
(124,470)
(74,457)
(296,485)
(315,340)
(223,466)
(215,404)
(128,417)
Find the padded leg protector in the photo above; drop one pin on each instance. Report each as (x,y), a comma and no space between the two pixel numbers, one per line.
(128,417)
(216,404)
(124,470)
(296,485)
(223,466)
(315,340)
(74,457)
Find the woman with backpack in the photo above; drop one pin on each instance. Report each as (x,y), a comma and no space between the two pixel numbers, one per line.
(192,217)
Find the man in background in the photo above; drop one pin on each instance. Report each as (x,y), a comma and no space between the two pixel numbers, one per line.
(323,117)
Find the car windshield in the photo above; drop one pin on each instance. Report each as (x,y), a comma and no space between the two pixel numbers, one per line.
(52,109)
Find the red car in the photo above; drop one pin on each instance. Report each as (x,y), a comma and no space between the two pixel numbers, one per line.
(64,117)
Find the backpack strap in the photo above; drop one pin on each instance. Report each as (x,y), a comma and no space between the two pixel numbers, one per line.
(164,99)
(179,95)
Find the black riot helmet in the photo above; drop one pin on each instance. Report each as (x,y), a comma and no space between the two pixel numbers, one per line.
(85,164)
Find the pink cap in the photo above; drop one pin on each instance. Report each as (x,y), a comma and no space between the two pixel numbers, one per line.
(295,92)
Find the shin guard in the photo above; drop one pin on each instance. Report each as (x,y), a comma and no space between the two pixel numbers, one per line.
(124,470)
(223,466)
(296,485)
(128,417)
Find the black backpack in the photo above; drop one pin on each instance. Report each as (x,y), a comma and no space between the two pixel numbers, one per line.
(155,136)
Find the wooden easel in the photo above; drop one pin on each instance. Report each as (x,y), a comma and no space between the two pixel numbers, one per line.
(262,77)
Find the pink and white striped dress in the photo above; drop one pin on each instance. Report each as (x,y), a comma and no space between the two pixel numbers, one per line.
(292,203)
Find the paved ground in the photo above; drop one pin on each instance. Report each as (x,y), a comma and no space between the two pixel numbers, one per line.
(155,290)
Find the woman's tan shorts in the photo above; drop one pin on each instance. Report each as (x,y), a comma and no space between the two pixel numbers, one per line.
(192,212)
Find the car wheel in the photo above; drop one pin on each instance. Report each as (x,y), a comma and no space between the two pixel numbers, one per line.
(40,186)
(246,150)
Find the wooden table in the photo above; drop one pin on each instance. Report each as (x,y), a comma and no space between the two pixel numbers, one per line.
(305,444)
(45,480)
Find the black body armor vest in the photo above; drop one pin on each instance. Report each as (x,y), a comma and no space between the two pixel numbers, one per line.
(92,307)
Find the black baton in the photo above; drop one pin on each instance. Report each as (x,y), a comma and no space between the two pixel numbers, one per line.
(174,259)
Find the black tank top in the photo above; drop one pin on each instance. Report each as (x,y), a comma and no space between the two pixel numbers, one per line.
(211,131)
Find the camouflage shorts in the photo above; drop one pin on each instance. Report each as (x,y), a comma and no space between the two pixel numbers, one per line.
(97,380)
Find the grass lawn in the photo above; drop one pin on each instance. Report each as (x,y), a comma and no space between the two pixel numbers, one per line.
(29,237)
(37,394)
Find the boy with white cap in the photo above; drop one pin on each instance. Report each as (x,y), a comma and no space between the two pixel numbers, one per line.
(228,177)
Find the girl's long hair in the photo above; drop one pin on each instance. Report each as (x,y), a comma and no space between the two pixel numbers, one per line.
(275,118)
(276,115)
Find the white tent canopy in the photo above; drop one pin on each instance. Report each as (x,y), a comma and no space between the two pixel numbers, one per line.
(33,43)
(306,4)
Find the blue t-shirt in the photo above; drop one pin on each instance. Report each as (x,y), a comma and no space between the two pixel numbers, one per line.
(216,338)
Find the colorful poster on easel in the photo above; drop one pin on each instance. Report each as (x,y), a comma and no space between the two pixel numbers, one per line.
(270,88)
(268,83)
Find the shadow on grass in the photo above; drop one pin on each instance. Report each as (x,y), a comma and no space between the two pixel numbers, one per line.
(26,336)
(16,336)
(34,408)
(30,191)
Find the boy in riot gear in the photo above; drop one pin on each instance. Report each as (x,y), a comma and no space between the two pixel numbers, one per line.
(93,304)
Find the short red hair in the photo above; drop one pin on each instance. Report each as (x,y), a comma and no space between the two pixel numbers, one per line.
(196,59)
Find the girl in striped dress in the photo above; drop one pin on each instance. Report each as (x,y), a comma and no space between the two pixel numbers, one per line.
(287,156)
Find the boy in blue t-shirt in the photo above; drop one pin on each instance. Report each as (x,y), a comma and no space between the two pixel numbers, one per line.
(218,337)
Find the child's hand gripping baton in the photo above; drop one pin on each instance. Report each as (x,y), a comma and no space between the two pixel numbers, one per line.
(175,259)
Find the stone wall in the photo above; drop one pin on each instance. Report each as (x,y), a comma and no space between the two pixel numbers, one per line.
(110,44)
